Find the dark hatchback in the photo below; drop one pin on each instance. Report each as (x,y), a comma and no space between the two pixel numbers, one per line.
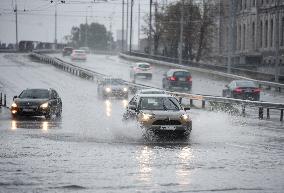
(37,102)
(67,51)
(242,89)
(176,78)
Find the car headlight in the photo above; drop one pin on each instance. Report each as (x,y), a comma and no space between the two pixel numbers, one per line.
(125,89)
(44,105)
(185,117)
(14,105)
(146,116)
(108,89)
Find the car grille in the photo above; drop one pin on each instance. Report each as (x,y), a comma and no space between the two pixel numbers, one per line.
(166,122)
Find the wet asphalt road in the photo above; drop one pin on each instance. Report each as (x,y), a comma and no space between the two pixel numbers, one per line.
(91,150)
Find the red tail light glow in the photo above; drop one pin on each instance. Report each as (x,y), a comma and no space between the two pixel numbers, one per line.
(238,90)
(172,78)
(257,90)
(189,79)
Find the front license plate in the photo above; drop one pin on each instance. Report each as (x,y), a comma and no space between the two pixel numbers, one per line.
(28,110)
(168,127)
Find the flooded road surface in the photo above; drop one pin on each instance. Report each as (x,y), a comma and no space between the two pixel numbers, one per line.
(91,150)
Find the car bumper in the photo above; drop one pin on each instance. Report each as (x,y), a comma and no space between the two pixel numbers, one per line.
(116,94)
(247,96)
(181,84)
(29,111)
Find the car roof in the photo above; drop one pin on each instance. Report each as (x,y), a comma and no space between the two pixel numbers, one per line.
(47,89)
(154,95)
(150,90)
(137,63)
(178,70)
(79,50)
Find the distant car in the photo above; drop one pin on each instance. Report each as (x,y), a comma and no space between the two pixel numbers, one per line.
(37,102)
(67,51)
(150,91)
(177,78)
(79,55)
(141,69)
(87,50)
(112,87)
(158,113)
(242,89)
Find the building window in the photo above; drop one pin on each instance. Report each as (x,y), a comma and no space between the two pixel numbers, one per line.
(245,5)
(282,32)
(244,36)
(253,35)
(271,33)
(266,34)
(240,37)
(261,34)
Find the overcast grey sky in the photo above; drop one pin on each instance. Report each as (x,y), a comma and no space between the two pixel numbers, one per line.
(36,17)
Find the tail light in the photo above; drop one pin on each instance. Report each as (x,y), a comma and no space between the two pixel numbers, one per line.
(172,78)
(189,79)
(238,90)
(257,90)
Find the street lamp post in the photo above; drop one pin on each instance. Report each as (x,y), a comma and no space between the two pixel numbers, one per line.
(131,17)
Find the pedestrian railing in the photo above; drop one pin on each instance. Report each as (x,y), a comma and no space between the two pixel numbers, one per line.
(95,76)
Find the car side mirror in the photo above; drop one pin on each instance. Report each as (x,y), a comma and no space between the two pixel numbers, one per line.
(132,107)
(186,108)
(15,97)
(227,86)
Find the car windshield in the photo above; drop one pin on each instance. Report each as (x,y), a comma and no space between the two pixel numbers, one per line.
(181,74)
(159,103)
(144,66)
(79,52)
(114,82)
(245,84)
(35,94)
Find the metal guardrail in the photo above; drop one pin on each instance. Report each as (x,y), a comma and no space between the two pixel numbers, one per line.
(278,86)
(3,100)
(92,75)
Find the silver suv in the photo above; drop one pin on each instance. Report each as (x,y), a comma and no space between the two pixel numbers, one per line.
(159,112)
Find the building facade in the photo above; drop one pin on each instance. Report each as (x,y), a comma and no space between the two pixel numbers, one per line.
(257,26)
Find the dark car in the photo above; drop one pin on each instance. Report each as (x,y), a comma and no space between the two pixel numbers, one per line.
(37,102)
(176,78)
(67,51)
(112,87)
(242,89)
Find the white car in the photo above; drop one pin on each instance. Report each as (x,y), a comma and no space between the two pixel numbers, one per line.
(141,69)
(78,55)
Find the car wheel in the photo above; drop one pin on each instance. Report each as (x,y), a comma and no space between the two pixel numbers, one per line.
(58,114)
(48,116)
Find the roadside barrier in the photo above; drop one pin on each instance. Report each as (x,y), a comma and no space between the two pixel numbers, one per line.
(95,76)
(3,100)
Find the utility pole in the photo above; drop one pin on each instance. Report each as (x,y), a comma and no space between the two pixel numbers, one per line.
(127,15)
(55,26)
(277,57)
(139,11)
(122,31)
(181,33)
(150,29)
(131,17)
(16,14)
